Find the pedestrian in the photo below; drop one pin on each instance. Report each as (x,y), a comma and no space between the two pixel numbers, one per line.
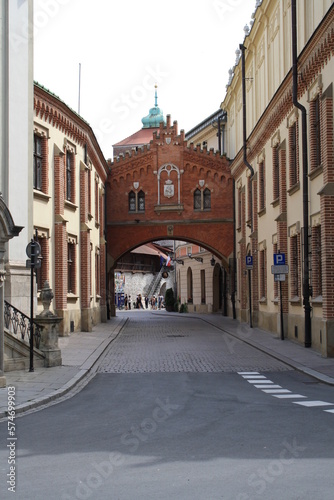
(146,301)
(126,302)
(129,301)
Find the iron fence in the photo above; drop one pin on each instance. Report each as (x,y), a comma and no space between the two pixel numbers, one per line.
(18,324)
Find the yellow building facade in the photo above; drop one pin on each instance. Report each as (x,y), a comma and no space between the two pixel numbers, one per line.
(281,207)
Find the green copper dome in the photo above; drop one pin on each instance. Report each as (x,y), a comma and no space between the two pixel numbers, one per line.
(155,116)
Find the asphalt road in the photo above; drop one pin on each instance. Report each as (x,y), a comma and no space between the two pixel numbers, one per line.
(165,418)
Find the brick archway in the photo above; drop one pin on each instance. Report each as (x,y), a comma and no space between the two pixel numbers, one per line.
(167,190)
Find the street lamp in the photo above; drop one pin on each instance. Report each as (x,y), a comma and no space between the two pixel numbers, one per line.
(199,259)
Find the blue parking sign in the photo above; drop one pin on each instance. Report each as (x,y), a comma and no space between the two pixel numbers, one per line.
(279,259)
(249,261)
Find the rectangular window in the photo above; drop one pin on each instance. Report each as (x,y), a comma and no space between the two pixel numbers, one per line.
(275,173)
(239,207)
(89,191)
(69,176)
(203,286)
(275,282)
(316,262)
(249,199)
(293,160)
(295,271)
(97,273)
(315,133)
(37,162)
(262,186)
(71,268)
(263,274)
(96,201)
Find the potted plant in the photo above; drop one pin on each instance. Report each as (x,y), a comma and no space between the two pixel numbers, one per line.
(169,300)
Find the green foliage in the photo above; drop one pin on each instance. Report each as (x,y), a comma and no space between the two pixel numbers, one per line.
(169,299)
(183,308)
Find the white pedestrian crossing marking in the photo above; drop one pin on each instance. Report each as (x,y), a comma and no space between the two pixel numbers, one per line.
(288,396)
(248,373)
(314,403)
(276,391)
(265,386)
(257,381)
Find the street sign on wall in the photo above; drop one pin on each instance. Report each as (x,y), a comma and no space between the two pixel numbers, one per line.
(249,262)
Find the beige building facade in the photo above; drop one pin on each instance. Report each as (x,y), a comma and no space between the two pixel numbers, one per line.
(271,184)
(69,175)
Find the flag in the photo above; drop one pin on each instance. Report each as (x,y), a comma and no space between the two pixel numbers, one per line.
(168,261)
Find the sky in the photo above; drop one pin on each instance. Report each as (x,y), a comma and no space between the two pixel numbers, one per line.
(119,49)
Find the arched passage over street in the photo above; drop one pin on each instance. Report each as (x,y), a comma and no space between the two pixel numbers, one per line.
(167,190)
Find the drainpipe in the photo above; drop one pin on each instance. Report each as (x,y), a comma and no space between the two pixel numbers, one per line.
(306,286)
(234,256)
(219,136)
(248,165)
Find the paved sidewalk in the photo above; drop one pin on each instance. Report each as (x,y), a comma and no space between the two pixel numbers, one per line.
(80,351)
(303,359)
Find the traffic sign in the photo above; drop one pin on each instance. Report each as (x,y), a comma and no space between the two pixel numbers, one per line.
(33,249)
(279,277)
(279,259)
(283,269)
(249,262)
(36,265)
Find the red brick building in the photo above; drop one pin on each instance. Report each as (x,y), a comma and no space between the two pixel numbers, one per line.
(167,190)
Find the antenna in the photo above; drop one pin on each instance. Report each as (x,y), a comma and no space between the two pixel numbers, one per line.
(79,88)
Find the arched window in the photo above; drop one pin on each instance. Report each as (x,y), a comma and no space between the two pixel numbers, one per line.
(141,201)
(206,198)
(197,199)
(132,202)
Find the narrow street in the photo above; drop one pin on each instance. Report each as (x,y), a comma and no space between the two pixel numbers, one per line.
(180,410)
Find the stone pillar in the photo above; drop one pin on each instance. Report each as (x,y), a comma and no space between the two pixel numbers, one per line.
(49,336)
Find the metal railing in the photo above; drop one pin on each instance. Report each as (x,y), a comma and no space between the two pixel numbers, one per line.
(18,325)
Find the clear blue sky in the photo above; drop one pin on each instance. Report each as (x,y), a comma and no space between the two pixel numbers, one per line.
(126,46)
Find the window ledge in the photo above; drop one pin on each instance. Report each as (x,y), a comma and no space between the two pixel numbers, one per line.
(275,202)
(90,217)
(71,297)
(263,301)
(275,301)
(98,297)
(262,212)
(295,301)
(317,301)
(315,172)
(71,206)
(294,188)
(168,208)
(42,196)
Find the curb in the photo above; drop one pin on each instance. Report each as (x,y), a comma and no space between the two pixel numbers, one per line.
(287,361)
(85,370)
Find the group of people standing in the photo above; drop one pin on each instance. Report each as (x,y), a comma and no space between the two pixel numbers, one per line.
(154,302)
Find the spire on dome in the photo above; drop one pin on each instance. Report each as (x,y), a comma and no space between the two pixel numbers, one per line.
(155,116)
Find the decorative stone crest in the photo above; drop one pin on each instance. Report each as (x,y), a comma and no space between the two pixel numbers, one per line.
(169,188)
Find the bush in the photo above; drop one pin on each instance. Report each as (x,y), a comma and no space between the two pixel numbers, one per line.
(183,308)
(169,299)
